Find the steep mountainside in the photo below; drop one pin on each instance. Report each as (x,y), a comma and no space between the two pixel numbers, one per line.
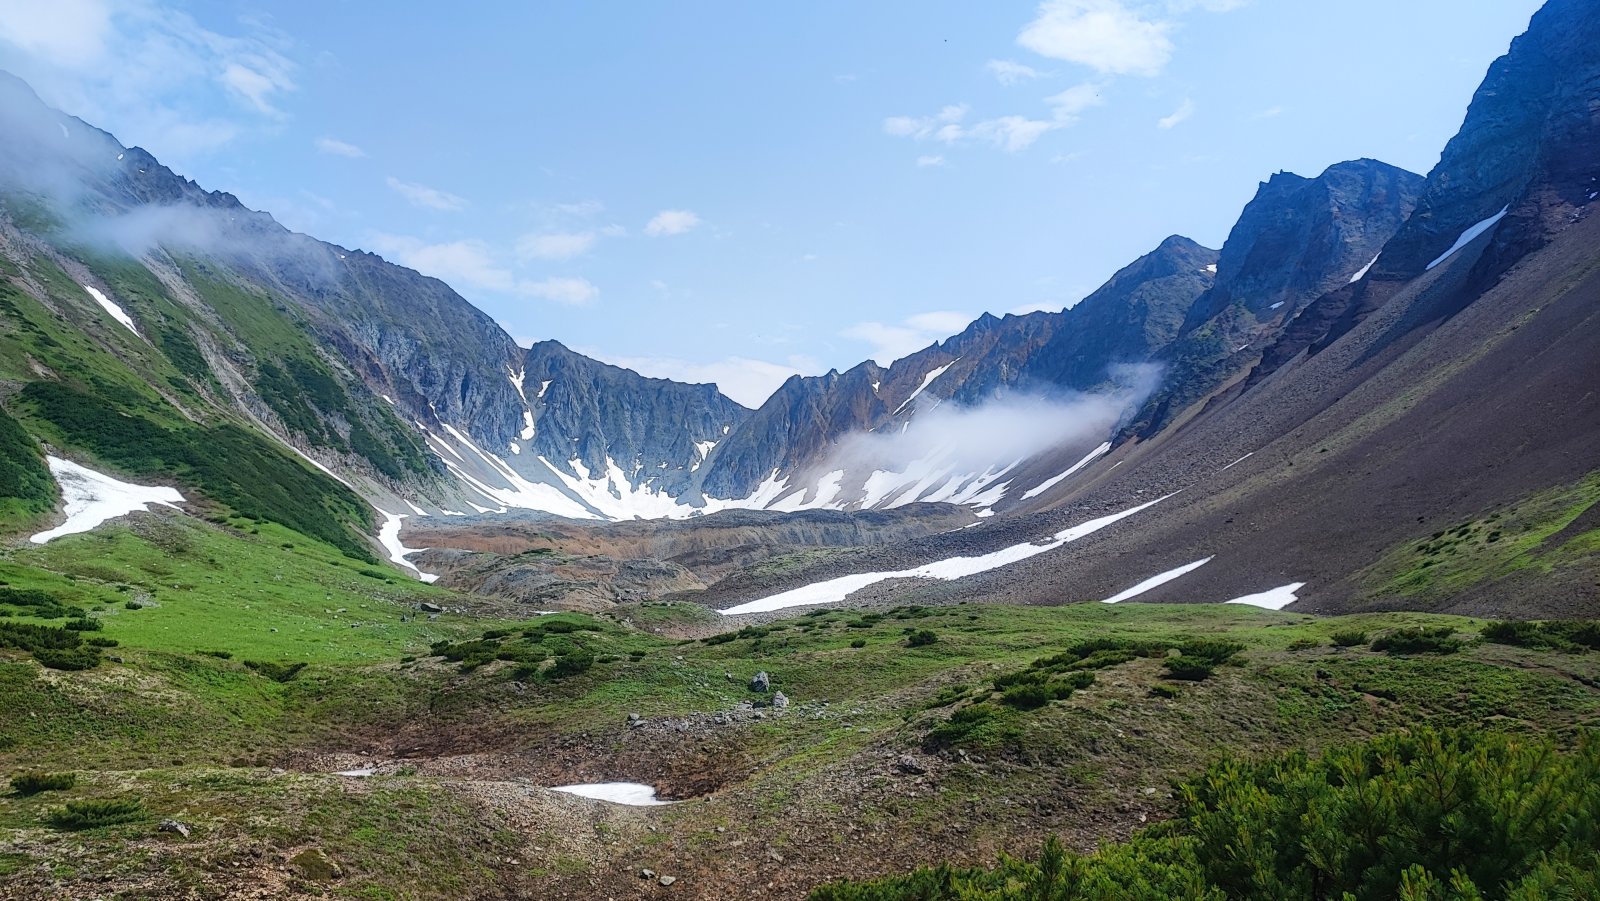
(1434,451)
(1296,240)
(1522,167)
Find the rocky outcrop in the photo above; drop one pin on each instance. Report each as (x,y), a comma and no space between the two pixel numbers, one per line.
(1297,239)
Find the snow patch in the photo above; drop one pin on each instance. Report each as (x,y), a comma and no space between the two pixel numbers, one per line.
(1365,269)
(516,448)
(1155,581)
(543,387)
(389,537)
(834,590)
(632,794)
(1212,268)
(92,498)
(926,381)
(1237,462)
(1275,599)
(1050,483)
(110,306)
(1470,234)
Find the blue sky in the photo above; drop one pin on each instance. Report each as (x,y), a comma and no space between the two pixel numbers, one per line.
(736,192)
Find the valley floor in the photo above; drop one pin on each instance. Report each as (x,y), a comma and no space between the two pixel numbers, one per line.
(877,764)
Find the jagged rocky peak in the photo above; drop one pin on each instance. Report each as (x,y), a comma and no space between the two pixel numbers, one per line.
(1300,237)
(602,415)
(1530,146)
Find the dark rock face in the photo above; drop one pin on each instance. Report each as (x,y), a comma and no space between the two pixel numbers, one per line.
(1297,239)
(595,413)
(1530,145)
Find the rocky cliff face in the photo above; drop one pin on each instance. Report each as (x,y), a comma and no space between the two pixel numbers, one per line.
(1527,151)
(593,416)
(1297,239)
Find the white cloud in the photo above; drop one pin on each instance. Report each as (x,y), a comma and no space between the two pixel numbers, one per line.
(1269,113)
(1011,133)
(890,342)
(1068,106)
(671,222)
(469,264)
(426,197)
(574,292)
(336,147)
(69,33)
(257,83)
(1104,35)
(747,381)
(930,160)
(144,71)
(1182,113)
(555,245)
(1009,72)
(461,263)
(924,127)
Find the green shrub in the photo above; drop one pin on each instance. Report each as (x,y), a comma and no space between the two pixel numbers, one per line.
(858,643)
(94,813)
(220,655)
(1418,640)
(1348,638)
(1031,695)
(571,664)
(34,782)
(921,638)
(60,649)
(1571,636)
(1188,669)
(84,624)
(1163,690)
(36,602)
(1426,816)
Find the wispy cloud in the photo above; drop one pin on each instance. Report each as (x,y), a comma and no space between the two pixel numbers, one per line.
(1009,72)
(1069,105)
(336,147)
(1181,114)
(671,222)
(426,197)
(1008,133)
(474,265)
(146,71)
(555,245)
(929,160)
(891,341)
(575,292)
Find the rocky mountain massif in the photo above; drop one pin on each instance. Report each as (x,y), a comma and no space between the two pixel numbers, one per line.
(136,297)
(1419,438)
